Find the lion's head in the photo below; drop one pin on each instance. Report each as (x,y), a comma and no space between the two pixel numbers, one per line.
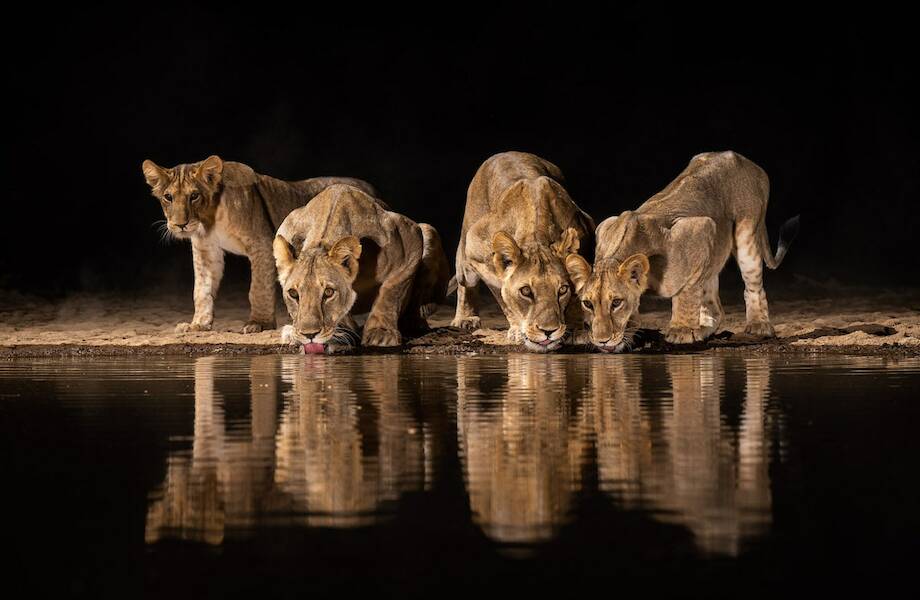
(610,296)
(317,284)
(188,194)
(535,287)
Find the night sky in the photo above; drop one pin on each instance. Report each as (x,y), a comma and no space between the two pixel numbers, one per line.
(414,103)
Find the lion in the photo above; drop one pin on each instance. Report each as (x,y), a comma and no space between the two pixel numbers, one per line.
(674,246)
(227,207)
(519,225)
(345,253)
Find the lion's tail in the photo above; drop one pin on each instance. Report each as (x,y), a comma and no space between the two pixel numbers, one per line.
(452,286)
(787,233)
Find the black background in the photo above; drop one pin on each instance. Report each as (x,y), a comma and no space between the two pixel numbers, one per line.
(619,98)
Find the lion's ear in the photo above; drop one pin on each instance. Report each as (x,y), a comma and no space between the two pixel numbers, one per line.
(567,244)
(284,257)
(505,252)
(155,175)
(210,169)
(579,271)
(635,270)
(346,253)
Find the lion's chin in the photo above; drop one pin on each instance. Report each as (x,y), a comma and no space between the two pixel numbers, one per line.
(542,348)
(612,348)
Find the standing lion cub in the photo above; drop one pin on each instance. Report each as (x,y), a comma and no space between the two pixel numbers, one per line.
(345,253)
(226,206)
(675,245)
(518,226)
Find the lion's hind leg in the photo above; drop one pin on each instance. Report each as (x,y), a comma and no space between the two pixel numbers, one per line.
(750,262)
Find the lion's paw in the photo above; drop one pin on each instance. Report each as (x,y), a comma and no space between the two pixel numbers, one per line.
(381,336)
(760,329)
(287,334)
(256,327)
(467,323)
(189,327)
(683,335)
(515,335)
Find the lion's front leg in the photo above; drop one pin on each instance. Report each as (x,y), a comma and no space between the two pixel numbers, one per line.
(685,317)
(261,289)
(467,315)
(382,325)
(208,261)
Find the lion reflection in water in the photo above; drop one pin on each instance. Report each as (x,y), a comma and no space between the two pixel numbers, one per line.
(526,434)
(675,457)
(334,460)
(521,452)
(349,442)
(343,453)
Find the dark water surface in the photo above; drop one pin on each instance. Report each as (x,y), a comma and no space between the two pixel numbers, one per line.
(701,475)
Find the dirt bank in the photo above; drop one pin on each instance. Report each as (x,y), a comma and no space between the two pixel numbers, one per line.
(852,322)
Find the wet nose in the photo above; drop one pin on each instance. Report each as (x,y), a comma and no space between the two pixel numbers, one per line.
(549,332)
(181,225)
(309,334)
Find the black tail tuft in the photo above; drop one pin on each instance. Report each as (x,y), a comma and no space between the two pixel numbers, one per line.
(787,234)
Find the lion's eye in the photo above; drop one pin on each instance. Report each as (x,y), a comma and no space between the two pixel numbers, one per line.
(293,294)
(328,293)
(526,291)
(563,290)
(194,196)
(167,197)
(617,302)
(587,304)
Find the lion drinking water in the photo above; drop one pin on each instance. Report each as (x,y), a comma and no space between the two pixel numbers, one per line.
(344,253)
(675,245)
(519,225)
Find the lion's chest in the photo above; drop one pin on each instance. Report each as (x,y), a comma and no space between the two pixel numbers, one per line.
(229,242)
(223,235)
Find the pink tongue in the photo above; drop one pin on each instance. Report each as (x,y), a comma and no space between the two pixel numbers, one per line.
(545,342)
(314,348)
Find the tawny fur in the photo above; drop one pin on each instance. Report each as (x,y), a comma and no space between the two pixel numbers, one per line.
(674,246)
(227,207)
(518,226)
(344,253)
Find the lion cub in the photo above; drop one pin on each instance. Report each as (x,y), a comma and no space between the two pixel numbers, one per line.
(227,207)
(674,246)
(519,225)
(344,253)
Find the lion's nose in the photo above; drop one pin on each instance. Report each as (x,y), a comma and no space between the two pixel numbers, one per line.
(309,334)
(549,332)
(181,225)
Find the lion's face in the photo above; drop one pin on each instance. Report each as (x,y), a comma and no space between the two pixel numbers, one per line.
(187,194)
(535,288)
(318,293)
(610,296)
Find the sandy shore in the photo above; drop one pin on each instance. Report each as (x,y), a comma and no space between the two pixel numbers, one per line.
(850,322)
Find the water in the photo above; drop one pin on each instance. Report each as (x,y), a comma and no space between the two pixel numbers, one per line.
(286,475)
